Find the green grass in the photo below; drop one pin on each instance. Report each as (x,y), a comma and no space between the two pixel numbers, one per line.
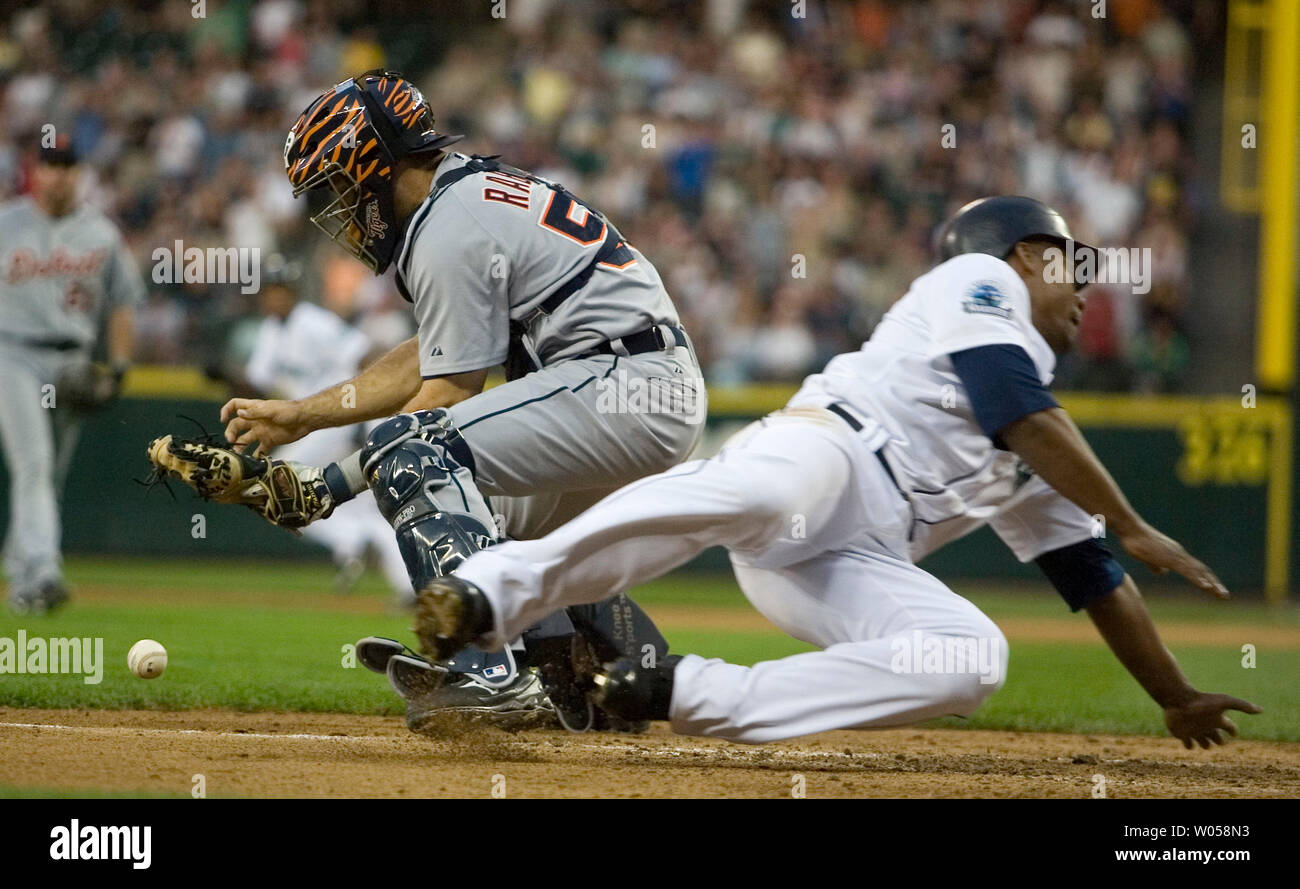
(1082,688)
(241,658)
(9,791)
(252,636)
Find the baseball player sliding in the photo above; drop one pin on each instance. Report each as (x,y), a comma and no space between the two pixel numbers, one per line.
(501,267)
(66,281)
(942,422)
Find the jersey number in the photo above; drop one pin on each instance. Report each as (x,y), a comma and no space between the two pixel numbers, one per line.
(567,216)
(77,298)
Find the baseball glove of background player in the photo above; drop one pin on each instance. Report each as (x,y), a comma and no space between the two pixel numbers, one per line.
(89,386)
(287,494)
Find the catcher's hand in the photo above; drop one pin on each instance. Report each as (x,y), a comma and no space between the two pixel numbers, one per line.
(287,494)
(88,387)
(269,422)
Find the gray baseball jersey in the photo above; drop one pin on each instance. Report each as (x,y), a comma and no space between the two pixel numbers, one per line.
(488,249)
(59,277)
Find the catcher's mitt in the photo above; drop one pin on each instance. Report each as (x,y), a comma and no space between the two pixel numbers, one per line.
(88,387)
(287,494)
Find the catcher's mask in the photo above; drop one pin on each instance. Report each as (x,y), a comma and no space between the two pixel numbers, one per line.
(350,139)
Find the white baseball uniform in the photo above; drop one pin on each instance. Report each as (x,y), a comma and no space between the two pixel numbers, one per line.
(825,507)
(60,277)
(292,358)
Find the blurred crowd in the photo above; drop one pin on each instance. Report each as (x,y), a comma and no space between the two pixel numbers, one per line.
(785,174)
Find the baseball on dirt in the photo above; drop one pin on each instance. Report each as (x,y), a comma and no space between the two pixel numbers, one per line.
(147,659)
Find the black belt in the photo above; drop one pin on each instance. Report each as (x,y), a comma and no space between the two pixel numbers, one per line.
(845,416)
(857,427)
(58,345)
(651,339)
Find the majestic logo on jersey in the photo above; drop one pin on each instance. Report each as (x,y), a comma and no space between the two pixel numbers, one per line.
(984,298)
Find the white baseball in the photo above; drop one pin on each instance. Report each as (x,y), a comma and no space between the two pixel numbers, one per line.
(147,659)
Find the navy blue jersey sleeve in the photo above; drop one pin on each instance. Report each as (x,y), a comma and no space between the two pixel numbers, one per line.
(1002,385)
(1082,572)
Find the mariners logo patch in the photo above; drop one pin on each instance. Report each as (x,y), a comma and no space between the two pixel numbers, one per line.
(985,298)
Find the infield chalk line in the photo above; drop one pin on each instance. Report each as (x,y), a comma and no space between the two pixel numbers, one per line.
(179,731)
(616,747)
(776,758)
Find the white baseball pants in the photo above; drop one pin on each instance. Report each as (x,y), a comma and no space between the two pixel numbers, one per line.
(818,539)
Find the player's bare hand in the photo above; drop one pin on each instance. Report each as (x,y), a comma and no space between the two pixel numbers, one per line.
(1162,553)
(270,423)
(1201,718)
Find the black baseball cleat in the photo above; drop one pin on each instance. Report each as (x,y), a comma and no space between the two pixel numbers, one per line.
(412,677)
(374,652)
(440,703)
(450,613)
(627,690)
(565,666)
(47,598)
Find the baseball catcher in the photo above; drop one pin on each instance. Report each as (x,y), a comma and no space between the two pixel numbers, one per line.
(502,267)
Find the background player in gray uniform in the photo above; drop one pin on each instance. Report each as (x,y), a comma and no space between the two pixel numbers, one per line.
(940,423)
(502,268)
(66,282)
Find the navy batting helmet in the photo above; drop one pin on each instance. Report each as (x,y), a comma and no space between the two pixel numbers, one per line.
(995,225)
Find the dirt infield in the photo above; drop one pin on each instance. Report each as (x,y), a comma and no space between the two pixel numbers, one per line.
(302,754)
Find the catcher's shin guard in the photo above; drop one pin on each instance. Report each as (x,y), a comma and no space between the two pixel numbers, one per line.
(427,495)
(421,473)
(618,627)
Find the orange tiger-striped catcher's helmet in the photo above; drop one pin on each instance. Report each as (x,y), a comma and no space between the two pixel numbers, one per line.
(350,139)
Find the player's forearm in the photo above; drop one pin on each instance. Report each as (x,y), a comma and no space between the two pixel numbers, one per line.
(345,478)
(1052,445)
(446,391)
(378,391)
(121,336)
(1124,622)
